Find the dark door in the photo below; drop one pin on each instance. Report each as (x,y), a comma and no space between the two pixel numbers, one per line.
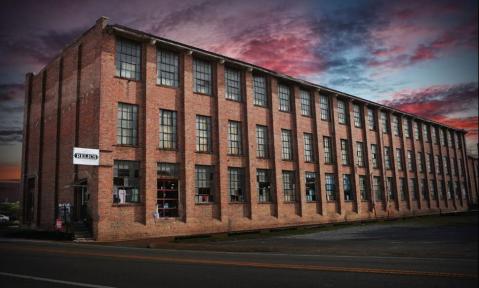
(80,205)
(28,205)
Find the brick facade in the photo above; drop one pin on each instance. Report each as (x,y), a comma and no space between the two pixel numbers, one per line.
(73,102)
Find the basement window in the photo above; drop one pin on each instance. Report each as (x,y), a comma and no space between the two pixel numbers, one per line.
(126,182)
(310,186)
(264,186)
(204,184)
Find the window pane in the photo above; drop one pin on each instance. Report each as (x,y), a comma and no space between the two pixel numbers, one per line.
(126,183)
(202,77)
(284,95)
(259,88)
(234,138)
(203,134)
(262,141)
(167,129)
(264,187)
(232,84)
(204,184)
(167,68)
(305,103)
(128,59)
(126,124)
(289,186)
(236,184)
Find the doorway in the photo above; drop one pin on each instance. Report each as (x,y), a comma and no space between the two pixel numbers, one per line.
(81,201)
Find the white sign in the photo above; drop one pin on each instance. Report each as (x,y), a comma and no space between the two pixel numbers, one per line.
(85,156)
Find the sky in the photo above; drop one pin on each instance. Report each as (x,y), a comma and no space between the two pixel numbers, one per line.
(417,56)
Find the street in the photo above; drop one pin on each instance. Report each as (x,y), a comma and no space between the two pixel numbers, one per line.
(432,251)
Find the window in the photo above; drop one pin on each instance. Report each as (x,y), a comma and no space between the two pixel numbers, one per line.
(458,141)
(348,188)
(442,190)
(324,107)
(128,59)
(399,159)
(202,77)
(310,186)
(167,68)
(445,162)
(262,150)
(263,182)
(341,112)
(387,158)
(416,130)
(233,84)
(441,137)
(402,188)
(450,190)
(424,191)
(390,189)
(284,98)
(425,134)
(167,170)
(433,135)
(363,188)
(204,184)
(437,163)
(453,167)
(396,130)
(371,120)
(412,188)
(384,122)
(234,138)
(167,129)
(428,163)
(308,147)
(203,133)
(236,184)
(259,89)
(289,187)
(421,162)
(374,156)
(378,194)
(330,186)
(432,186)
(344,152)
(357,116)
(328,154)
(405,127)
(306,103)
(359,154)
(456,189)
(410,161)
(287,148)
(167,189)
(127,124)
(126,181)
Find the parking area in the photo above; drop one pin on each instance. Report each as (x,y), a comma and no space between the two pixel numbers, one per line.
(439,236)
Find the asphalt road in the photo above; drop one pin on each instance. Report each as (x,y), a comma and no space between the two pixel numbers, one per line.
(53,264)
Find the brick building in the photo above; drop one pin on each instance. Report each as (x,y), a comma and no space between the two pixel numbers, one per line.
(195,142)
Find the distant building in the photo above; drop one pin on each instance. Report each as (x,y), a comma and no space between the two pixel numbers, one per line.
(10,191)
(195,142)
